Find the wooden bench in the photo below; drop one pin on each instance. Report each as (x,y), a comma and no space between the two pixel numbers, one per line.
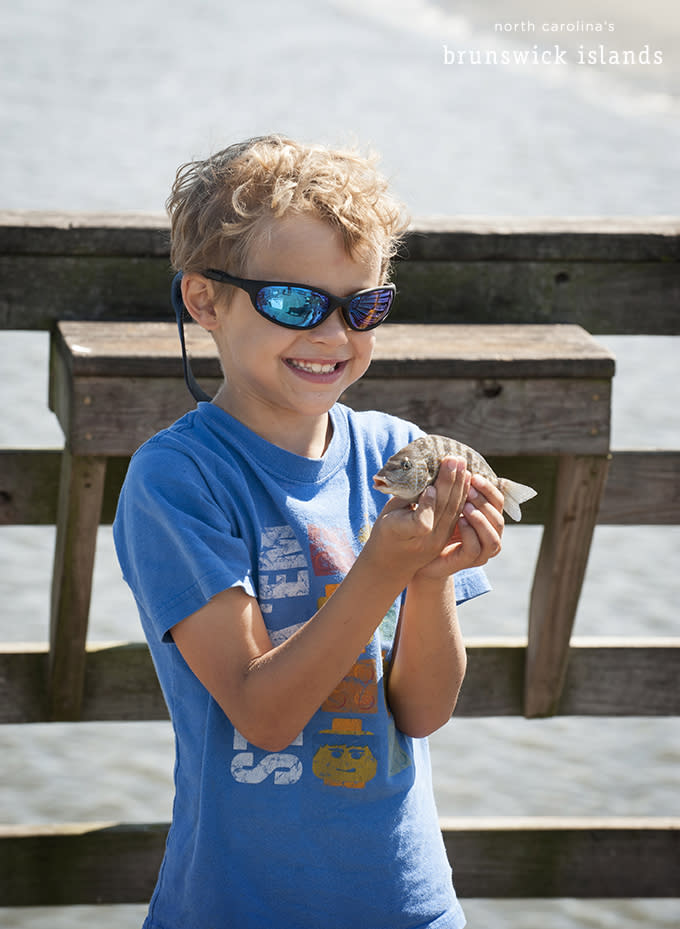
(505,390)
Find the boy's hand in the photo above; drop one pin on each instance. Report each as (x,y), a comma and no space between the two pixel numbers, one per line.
(408,537)
(477,534)
(456,524)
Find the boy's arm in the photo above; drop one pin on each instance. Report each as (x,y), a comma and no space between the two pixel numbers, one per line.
(270,693)
(428,658)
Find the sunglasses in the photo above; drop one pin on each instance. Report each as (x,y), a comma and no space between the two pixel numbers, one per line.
(297,306)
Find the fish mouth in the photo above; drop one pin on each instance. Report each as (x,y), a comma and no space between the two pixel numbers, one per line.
(379,482)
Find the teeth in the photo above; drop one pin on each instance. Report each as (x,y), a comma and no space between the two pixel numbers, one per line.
(313,367)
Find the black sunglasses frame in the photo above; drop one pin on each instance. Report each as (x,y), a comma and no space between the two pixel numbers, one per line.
(252,288)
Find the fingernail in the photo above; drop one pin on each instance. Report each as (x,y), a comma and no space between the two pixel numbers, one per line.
(468,508)
(472,493)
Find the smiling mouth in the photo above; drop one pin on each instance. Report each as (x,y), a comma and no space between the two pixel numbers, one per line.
(314,367)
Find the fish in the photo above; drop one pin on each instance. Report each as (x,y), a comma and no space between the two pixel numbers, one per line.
(408,472)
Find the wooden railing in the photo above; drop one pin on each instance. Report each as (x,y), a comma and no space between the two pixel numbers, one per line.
(610,277)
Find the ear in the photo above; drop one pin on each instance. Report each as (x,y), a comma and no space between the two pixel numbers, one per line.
(199,299)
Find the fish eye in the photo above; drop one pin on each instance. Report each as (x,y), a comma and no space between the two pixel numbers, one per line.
(406,464)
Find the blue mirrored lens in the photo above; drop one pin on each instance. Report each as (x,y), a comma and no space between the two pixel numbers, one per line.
(298,307)
(371,308)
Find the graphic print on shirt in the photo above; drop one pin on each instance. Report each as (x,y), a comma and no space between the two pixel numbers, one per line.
(284,570)
(345,753)
(344,757)
(285,767)
(331,551)
(357,692)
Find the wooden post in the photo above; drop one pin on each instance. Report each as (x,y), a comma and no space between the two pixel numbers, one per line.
(80,501)
(560,570)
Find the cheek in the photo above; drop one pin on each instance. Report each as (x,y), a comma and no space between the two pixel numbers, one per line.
(364,345)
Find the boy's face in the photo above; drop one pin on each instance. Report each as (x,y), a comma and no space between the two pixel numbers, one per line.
(271,371)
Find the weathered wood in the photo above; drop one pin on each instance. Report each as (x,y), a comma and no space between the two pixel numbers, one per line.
(78,517)
(478,238)
(511,416)
(603,298)
(478,378)
(405,351)
(608,677)
(558,579)
(112,417)
(529,238)
(83,863)
(128,287)
(633,677)
(594,272)
(29,486)
(642,489)
(560,857)
(115,863)
(23,683)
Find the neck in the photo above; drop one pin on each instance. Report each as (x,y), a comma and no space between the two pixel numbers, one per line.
(308,436)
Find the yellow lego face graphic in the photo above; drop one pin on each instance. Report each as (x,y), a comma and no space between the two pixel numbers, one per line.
(344,760)
(345,765)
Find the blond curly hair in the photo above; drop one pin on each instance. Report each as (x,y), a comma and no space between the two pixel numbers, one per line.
(221,206)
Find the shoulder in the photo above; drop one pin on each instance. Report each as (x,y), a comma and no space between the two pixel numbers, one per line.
(187,468)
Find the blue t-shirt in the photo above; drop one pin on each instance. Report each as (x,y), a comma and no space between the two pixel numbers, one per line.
(339,829)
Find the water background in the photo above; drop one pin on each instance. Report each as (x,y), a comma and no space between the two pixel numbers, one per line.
(100,102)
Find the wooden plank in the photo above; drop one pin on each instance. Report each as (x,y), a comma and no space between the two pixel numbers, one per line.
(558,579)
(113,417)
(23,683)
(52,232)
(29,486)
(127,287)
(643,487)
(530,238)
(78,516)
(125,349)
(607,677)
(119,680)
(630,678)
(449,379)
(117,863)
(88,863)
(496,416)
(477,238)
(582,858)
(612,298)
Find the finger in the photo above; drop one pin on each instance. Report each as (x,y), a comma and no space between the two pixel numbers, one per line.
(492,509)
(452,485)
(488,490)
(487,542)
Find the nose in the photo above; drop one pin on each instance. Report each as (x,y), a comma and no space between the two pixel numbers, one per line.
(334,329)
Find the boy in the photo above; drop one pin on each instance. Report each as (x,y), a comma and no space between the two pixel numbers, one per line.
(269,576)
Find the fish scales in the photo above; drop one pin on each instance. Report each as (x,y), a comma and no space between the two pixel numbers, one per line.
(408,472)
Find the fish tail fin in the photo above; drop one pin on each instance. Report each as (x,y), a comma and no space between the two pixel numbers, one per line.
(514,494)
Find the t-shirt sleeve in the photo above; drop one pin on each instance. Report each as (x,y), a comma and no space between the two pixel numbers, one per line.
(177,548)
(470,583)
